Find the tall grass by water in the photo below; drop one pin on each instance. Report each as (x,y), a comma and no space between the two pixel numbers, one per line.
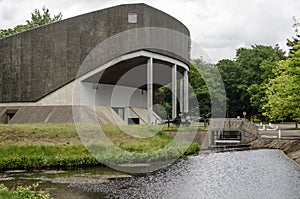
(23,192)
(59,146)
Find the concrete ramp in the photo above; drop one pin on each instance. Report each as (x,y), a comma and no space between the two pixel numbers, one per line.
(97,115)
(142,113)
(3,117)
(2,111)
(43,114)
(106,115)
(64,114)
(157,118)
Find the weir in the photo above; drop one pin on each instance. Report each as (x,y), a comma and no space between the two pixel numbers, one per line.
(235,133)
(227,133)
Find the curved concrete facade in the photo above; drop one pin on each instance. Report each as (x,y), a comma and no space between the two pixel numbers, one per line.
(113,58)
(37,62)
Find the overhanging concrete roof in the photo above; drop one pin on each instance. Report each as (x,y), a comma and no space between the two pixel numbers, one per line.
(37,62)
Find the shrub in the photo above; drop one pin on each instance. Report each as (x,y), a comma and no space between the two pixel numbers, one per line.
(23,192)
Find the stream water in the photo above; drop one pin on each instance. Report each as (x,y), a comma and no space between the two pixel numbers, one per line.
(259,174)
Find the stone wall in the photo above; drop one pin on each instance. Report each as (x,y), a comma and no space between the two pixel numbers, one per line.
(291,147)
(249,131)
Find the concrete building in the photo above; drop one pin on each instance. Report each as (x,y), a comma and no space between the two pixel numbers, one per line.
(109,61)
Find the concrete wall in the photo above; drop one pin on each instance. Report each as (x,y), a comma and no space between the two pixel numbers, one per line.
(110,95)
(37,62)
(249,131)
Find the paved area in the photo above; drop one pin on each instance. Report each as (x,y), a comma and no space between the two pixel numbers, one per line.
(284,133)
(273,131)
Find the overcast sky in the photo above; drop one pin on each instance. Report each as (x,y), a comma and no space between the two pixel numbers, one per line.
(218,27)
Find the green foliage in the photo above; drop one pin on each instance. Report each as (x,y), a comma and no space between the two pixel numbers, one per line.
(11,31)
(194,148)
(257,89)
(163,97)
(20,192)
(294,42)
(231,73)
(58,146)
(134,153)
(37,19)
(261,81)
(201,92)
(202,76)
(209,89)
(283,90)
(245,78)
(41,156)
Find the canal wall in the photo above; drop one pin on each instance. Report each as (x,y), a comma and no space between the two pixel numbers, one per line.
(291,147)
(200,137)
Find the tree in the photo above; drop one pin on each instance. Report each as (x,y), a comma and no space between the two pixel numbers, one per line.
(207,91)
(283,99)
(245,78)
(231,73)
(257,89)
(163,95)
(200,89)
(37,19)
(282,91)
(208,88)
(294,42)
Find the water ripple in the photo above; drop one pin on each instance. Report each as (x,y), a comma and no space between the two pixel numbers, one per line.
(257,174)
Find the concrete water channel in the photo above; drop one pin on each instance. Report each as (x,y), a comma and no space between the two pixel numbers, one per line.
(258,174)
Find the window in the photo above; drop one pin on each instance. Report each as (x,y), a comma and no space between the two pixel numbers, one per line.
(132,18)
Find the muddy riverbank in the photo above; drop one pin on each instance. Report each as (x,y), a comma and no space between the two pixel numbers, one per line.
(291,147)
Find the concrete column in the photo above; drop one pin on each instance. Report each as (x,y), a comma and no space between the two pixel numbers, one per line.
(174,91)
(186,92)
(150,90)
(181,100)
(126,114)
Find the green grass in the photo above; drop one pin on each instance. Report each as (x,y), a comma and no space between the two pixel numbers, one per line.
(43,156)
(38,134)
(22,192)
(257,121)
(58,146)
(193,127)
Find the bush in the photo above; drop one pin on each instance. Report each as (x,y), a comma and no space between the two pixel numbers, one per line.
(20,192)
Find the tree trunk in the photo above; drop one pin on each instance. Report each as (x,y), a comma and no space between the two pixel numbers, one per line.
(296,124)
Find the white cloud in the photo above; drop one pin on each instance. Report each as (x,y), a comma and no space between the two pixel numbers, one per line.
(218,26)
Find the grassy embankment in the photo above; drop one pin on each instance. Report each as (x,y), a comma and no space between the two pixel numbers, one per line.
(59,146)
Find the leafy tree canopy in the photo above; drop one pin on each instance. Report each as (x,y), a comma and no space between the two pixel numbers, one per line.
(294,42)
(283,99)
(245,77)
(38,18)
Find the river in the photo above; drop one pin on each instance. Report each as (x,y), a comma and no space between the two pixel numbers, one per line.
(257,174)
